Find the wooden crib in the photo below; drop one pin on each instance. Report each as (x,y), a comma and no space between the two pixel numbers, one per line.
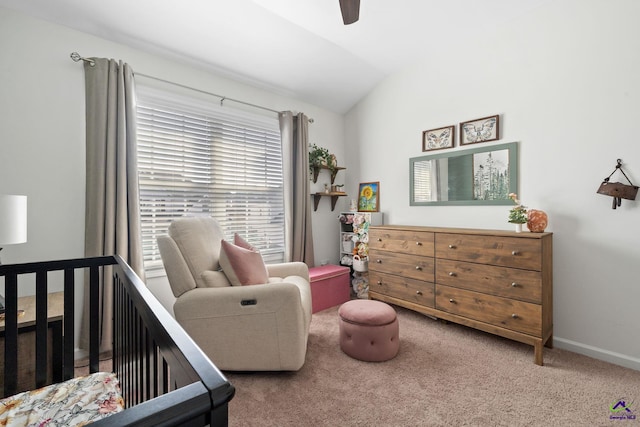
(165,379)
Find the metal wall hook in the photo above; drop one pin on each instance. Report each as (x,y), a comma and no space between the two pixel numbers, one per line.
(618,190)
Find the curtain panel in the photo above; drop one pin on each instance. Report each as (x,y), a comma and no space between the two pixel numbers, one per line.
(297,196)
(112,212)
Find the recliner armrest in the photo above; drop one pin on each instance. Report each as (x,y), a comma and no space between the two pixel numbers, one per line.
(286,269)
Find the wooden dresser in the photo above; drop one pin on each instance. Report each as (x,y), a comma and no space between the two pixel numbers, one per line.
(27,342)
(496,281)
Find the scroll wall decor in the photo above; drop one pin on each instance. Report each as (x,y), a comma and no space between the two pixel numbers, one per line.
(617,190)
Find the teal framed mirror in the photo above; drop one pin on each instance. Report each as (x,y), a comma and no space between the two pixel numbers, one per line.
(480,176)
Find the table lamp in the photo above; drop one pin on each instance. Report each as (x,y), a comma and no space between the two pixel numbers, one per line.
(13,219)
(13,224)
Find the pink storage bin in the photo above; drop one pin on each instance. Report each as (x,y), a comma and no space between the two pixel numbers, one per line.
(330,286)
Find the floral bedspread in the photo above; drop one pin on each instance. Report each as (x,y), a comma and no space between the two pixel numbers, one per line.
(75,402)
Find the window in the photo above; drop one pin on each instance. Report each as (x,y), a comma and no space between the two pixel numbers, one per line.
(196,158)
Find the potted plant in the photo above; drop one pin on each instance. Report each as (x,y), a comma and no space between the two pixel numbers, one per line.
(318,156)
(517,214)
(321,157)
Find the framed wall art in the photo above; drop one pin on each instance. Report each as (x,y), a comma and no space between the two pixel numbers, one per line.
(491,177)
(437,139)
(369,197)
(480,130)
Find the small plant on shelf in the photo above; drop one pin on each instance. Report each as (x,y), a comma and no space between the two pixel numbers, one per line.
(321,157)
(318,156)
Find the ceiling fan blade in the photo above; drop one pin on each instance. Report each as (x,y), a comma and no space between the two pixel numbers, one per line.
(350,11)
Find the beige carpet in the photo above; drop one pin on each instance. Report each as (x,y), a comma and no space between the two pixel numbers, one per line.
(444,375)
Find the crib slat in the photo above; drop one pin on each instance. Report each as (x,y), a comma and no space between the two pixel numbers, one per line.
(156,374)
(94,322)
(41,329)
(69,324)
(11,335)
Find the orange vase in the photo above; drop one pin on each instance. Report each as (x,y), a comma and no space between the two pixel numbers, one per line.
(536,220)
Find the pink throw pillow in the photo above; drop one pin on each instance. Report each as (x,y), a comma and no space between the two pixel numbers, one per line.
(239,241)
(242,266)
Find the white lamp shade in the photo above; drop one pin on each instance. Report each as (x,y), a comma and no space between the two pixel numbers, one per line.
(13,219)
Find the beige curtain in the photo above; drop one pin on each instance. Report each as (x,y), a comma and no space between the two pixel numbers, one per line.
(112,213)
(297,198)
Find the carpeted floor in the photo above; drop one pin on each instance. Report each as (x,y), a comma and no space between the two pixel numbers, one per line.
(444,375)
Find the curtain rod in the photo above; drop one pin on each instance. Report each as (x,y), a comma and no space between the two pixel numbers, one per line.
(75,56)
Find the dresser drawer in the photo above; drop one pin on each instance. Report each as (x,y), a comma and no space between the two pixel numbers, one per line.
(412,266)
(503,312)
(514,252)
(416,291)
(524,285)
(404,241)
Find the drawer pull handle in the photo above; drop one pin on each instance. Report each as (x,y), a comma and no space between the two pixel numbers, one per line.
(379,239)
(379,261)
(452,274)
(418,268)
(514,285)
(380,282)
(515,316)
(418,292)
(452,246)
(419,243)
(514,253)
(452,301)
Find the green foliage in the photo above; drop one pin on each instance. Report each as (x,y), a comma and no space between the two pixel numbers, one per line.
(318,156)
(517,214)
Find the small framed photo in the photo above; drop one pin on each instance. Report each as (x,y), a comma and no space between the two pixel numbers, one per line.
(437,139)
(480,130)
(369,197)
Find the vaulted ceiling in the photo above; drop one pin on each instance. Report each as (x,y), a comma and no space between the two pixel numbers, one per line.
(299,48)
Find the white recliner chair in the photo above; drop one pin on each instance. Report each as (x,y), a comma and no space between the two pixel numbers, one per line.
(262,327)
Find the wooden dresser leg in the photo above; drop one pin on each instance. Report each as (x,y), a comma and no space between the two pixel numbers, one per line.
(537,348)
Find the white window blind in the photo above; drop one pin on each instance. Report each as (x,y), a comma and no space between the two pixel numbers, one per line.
(196,158)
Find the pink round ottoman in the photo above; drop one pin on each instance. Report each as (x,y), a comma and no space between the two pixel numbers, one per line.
(369,330)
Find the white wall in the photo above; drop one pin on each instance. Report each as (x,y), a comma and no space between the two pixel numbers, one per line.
(42,151)
(565,82)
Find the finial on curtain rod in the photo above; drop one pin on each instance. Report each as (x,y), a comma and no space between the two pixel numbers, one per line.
(77,58)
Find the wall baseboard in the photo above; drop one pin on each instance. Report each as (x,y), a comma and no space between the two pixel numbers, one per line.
(597,353)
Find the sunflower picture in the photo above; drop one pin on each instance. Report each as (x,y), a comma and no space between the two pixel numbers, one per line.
(368,196)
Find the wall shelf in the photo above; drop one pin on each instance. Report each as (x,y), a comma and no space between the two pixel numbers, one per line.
(334,198)
(332,171)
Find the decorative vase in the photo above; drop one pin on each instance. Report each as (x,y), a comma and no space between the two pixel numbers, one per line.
(518,228)
(537,220)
